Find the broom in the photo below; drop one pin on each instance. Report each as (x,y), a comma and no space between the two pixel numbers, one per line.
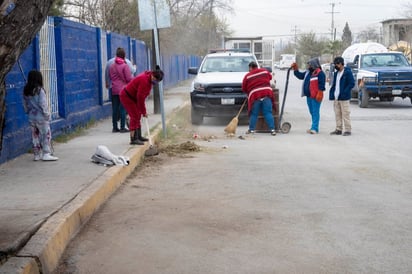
(231,127)
(152,150)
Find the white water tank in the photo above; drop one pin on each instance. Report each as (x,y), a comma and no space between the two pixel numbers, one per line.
(360,48)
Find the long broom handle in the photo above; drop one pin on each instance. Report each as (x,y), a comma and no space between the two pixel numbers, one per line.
(241,108)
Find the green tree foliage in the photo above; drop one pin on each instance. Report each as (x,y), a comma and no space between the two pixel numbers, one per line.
(346,36)
(334,48)
(308,46)
(57,8)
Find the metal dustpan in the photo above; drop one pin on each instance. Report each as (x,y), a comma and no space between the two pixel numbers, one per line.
(152,150)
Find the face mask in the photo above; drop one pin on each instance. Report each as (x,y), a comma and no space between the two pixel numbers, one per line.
(311,69)
(336,67)
(154,82)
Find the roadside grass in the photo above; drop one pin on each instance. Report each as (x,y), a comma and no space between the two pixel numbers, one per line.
(78,131)
(179,133)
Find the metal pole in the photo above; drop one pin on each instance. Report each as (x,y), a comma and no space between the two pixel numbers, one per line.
(158,61)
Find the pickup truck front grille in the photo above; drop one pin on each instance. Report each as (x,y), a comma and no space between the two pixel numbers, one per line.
(224,89)
(395,79)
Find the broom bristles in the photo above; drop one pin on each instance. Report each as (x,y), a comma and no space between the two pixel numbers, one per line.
(231,127)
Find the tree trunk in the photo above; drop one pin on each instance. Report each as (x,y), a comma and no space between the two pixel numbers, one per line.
(20,21)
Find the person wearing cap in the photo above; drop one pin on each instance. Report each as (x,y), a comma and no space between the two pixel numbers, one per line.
(133,98)
(313,87)
(340,94)
(256,84)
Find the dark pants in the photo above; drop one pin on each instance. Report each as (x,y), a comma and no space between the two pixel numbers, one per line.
(118,110)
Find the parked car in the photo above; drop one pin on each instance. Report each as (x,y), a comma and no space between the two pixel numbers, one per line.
(328,69)
(216,91)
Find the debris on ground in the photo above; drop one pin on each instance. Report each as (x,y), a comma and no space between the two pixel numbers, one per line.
(182,148)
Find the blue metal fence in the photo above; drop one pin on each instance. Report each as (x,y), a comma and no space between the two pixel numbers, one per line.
(72,58)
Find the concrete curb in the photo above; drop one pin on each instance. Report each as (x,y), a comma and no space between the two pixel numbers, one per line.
(43,251)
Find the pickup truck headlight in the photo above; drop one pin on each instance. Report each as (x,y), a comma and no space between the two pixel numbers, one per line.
(369,80)
(199,87)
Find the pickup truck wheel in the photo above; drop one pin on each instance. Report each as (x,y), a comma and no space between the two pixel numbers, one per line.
(196,118)
(363,98)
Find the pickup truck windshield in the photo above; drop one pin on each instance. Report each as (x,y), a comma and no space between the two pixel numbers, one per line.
(227,64)
(383,60)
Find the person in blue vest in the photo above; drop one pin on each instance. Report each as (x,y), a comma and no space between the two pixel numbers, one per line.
(313,87)
(340,93)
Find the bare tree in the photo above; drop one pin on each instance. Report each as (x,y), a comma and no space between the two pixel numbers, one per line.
(20,20)
(369,34)
(195,25)
(407,9)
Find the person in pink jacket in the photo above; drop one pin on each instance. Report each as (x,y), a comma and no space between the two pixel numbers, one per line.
(120,76)
(133,98)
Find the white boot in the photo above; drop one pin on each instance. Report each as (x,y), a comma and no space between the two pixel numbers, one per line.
(49,157)
(37,157)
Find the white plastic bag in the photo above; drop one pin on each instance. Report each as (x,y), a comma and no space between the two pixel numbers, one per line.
(104,157)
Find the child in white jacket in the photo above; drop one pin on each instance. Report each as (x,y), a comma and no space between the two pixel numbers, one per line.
(35,105)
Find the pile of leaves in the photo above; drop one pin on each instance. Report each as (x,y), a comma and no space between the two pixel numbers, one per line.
(182,148)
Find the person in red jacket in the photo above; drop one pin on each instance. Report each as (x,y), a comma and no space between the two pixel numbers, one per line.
(133,98)
(260,96)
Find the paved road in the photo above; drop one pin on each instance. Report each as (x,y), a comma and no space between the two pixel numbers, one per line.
(293,203)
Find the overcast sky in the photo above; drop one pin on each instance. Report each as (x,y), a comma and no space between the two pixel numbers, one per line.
(281,18)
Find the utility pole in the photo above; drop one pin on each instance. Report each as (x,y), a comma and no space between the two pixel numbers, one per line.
(332,27)
(295,31)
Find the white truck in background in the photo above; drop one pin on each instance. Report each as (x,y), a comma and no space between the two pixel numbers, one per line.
(263,49)
(286,60)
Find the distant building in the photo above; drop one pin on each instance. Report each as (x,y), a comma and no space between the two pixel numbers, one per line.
(263,49)
(394,30)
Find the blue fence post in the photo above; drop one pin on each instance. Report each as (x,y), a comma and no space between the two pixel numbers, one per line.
(99,64)
(58,21)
